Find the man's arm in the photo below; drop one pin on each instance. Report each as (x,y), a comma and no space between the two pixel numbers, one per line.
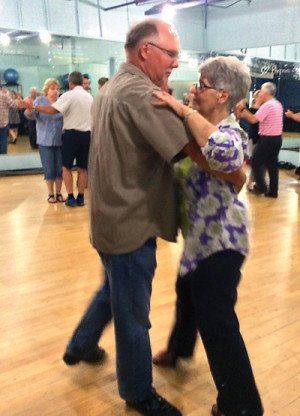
(292,115)
(242,112)
(46,109)
(237,178)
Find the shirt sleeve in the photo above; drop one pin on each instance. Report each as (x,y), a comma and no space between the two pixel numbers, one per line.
(160,127)
(224,150)
(262,112)
(9,101)
(35,114)
(63,103)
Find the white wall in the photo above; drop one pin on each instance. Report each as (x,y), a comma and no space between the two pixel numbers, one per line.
(59,17)
(62,19)
(9,17)
(263,23)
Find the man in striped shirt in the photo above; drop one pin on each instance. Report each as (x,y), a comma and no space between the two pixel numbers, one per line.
(270,119)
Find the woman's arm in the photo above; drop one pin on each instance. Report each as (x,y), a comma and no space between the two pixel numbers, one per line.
(200,128)
(30,113)
(237,177)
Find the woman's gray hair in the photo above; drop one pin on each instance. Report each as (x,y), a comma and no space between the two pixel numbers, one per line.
(270,87)
(140,31)
(229,74)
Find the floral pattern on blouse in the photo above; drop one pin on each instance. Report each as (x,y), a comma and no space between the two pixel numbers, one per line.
(217,219)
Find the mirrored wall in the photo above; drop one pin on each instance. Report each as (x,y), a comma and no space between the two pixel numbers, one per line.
(28,60)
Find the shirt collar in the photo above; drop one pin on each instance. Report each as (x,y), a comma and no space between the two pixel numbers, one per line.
(134,70)
(229,120)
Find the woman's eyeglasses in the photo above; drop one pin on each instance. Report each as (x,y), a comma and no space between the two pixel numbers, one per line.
(199,86)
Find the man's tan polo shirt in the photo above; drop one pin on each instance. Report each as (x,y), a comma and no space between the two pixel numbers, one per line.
(130,167)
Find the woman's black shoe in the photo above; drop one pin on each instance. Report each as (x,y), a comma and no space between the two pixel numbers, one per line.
(155,406)
(165,359)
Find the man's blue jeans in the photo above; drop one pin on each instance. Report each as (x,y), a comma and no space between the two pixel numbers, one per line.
(3,140)
(125,296)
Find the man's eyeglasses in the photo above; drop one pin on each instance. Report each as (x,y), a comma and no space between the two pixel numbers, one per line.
(199,86)
(171,54)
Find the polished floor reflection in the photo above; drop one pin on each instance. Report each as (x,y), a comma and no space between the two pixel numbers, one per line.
(49,271)
(21,146)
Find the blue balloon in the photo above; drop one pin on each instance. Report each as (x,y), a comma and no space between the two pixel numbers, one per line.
(11,76)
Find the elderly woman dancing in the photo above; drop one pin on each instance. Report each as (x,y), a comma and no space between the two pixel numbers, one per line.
(49,132)
(216,242)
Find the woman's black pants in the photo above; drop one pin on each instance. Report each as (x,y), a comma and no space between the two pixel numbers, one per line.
(206,301)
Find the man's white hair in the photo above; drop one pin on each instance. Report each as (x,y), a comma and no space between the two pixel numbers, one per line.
(270,87)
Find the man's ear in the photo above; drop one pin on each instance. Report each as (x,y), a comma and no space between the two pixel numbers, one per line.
(143,51)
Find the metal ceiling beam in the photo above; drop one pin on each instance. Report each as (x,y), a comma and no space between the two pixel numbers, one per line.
(76,6)
(206,14)
(177,5)
(19,12)
(161,3)
(117,6)
(99,18)
(229,5)
(135,2)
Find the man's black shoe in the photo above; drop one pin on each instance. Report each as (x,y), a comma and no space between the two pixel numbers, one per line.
(155,406)
(215,411)
(94,357)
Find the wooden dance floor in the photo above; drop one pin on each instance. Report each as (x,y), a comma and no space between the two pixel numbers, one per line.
(49,271)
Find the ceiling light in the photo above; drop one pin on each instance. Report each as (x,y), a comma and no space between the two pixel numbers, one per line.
(4,39)
(45,36)
(247,60)
(168,12)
